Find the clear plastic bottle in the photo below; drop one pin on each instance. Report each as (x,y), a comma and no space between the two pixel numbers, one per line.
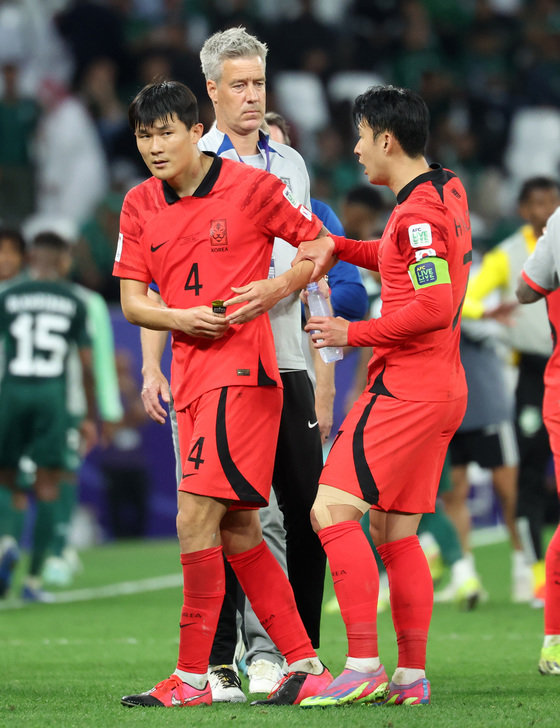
(318,306)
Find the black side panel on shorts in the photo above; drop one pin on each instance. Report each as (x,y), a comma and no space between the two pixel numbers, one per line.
(366,480)
(243,489)
(378,386)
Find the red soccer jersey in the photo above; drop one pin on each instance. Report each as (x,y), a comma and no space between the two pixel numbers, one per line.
(195,248)
(410,359)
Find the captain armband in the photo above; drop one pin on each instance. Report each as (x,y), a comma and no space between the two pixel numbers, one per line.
(429,272)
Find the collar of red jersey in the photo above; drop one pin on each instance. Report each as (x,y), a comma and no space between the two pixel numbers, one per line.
(203,188)
(436,176)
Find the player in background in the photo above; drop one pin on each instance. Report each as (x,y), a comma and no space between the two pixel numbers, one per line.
(62,562)
(198,227)
(13,504)
(49,543)
(539,279)
(527,333)
(41,318)
(388,454)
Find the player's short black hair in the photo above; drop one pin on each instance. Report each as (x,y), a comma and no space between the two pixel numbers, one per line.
(48,240)
(536,183)
(160,101)
(398,110)
(15,236)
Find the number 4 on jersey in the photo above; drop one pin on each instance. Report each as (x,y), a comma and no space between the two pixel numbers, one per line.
(193,283)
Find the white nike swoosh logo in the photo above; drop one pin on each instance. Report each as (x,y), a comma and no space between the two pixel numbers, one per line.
(177,702)
(311,425)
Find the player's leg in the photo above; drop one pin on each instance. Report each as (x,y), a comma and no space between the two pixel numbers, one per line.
(198,529)
(499,453)
(271,596)
(455,501)
(13,507)
(62,563)
(549,663)
(411,589)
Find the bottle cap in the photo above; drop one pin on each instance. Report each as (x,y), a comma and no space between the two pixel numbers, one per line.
(218,307)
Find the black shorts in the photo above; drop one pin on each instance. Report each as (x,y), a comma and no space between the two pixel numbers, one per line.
(490,447)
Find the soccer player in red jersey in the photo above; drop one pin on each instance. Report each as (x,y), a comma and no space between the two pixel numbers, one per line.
(540,277)
(198,226)
(388,455)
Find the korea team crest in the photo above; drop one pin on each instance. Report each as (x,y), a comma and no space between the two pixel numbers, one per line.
(218,235)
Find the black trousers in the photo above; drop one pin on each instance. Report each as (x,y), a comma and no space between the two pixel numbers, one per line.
(534,446)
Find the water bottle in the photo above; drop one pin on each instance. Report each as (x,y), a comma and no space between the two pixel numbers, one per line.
(318,306)
(271,269)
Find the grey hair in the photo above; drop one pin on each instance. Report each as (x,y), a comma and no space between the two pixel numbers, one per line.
(230,43)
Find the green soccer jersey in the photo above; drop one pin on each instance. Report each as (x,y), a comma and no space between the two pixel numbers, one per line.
(40,321)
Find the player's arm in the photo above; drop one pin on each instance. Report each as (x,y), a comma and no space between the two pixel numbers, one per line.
(539,276)
(430,310)
(88,427)
(493,275)
(140,309)
(526,294)
(325,251)
(324,394)
(261,296)
(155,387)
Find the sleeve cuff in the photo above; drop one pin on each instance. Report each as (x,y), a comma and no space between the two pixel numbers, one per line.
(533,285)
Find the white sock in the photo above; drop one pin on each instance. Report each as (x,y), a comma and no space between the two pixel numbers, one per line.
(519,560)
(313,665)
(551,639)
(195,679)
(461,570)
(363,664)
(407,675)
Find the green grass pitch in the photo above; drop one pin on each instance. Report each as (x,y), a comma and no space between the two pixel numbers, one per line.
(67,664)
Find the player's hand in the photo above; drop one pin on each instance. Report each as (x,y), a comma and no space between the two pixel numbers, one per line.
(320,252)
(155,389)
(324,414)
(258,296)
(200,321)
(108,430)
(328,331)
(502,313)
(89,436)
(323,288)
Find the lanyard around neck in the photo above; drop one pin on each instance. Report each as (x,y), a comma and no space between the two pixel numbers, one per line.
(263,145)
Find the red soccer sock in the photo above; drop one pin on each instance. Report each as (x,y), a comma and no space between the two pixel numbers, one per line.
(203,594)
(552,586)
(271,596)
(356,583)
(412,596)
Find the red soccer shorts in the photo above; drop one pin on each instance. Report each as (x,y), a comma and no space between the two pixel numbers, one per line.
(390,452)
(227,440)
(551,417)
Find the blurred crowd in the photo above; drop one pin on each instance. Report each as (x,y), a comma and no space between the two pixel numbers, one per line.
(488,69)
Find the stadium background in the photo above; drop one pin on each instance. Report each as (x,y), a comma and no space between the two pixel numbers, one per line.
(488,69)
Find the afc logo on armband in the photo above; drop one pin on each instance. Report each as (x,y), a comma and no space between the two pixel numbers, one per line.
(425,274)
(218,236)
(420,235)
